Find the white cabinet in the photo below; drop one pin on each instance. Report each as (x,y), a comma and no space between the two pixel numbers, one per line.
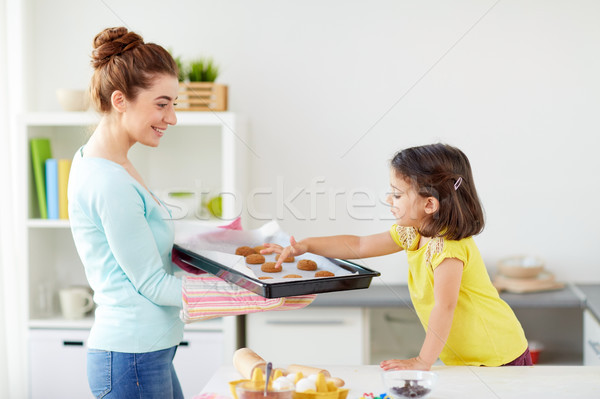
(57,361)
(198,357)
(205,150)
(57,364)
(313,335)
(591,339)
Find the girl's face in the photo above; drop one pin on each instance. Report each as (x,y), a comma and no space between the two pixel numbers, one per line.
(148,116)
(406,205)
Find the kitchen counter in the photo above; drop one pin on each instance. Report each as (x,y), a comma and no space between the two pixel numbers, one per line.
(591,294)
(462,382)
(398,296)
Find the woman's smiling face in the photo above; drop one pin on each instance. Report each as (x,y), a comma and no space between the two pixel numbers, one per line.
(152,111)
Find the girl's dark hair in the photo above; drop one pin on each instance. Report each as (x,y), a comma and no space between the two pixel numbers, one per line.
(122,61)
(443,172)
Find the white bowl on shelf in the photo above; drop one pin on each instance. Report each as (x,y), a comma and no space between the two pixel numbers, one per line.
(73,100)
(521,266)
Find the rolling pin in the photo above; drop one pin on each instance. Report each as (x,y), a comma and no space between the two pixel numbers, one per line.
(308,370)
(245,360)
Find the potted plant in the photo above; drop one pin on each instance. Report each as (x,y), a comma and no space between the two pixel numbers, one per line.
(199,92)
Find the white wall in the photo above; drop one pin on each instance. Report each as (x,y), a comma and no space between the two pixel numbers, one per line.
(332,89)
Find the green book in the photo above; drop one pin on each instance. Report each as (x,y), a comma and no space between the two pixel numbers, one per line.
(40,151)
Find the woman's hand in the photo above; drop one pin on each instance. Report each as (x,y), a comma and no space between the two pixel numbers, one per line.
(415,363)
(294,249)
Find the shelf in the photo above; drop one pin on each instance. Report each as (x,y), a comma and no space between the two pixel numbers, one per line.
(64,223)
(205,150)
(48,223)
(61,118)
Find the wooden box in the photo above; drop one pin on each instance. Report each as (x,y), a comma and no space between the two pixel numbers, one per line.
(202,96)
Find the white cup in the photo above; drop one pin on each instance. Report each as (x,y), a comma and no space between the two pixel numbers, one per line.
(75,302)
(73,100)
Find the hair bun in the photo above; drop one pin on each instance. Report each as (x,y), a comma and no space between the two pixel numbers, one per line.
(111,42)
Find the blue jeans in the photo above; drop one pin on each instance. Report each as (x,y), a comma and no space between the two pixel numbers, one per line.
(119,375)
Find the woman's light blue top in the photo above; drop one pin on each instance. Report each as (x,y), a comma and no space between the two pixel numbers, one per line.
(124,239)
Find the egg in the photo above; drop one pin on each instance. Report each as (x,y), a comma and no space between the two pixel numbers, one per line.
(291,377)
(313,377)
(282,384)
(305,384)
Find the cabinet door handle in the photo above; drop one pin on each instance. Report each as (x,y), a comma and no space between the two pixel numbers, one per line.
(305,322)
(595,346)
(184,343)
(72,343)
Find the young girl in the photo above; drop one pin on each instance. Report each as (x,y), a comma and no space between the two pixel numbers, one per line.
(437,211)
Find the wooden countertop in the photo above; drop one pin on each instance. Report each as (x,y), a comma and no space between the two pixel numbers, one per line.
(544,382)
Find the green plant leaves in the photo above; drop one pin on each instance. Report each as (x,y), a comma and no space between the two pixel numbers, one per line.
(202,70)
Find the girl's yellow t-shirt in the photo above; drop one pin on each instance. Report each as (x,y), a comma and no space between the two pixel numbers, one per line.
(485,330)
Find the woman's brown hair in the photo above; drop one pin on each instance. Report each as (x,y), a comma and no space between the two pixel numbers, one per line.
(122,61)
(443,172)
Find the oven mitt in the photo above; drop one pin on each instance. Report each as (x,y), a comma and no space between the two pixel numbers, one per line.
(207,297)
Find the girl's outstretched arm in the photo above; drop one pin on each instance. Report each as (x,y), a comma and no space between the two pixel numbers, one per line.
(342,246)
(446,277)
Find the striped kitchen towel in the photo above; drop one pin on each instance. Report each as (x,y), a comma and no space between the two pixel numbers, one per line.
(207,297)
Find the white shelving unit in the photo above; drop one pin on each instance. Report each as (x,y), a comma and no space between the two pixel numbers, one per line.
(205,150)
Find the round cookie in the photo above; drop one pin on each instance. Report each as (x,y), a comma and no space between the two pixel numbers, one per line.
(255,259)
(324,273)
(289,259)
(265,277)
(259,248)
(244,251)
(307,264)
(292,276)
(269,267)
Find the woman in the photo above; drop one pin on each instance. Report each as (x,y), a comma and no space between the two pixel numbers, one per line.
(124,235)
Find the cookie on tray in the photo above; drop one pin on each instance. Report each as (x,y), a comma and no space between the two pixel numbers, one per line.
(244,251)
(255,259)
(292,276)
(307,264)
(269,267)
(324,273)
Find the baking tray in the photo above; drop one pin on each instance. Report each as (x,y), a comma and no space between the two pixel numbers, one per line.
(359,279)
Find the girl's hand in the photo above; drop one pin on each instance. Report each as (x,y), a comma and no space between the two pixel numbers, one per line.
(415,363)
(295,249)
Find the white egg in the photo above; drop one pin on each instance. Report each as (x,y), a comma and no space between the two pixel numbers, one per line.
(305,384)
(282,383)
(291,377)
(312,377)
